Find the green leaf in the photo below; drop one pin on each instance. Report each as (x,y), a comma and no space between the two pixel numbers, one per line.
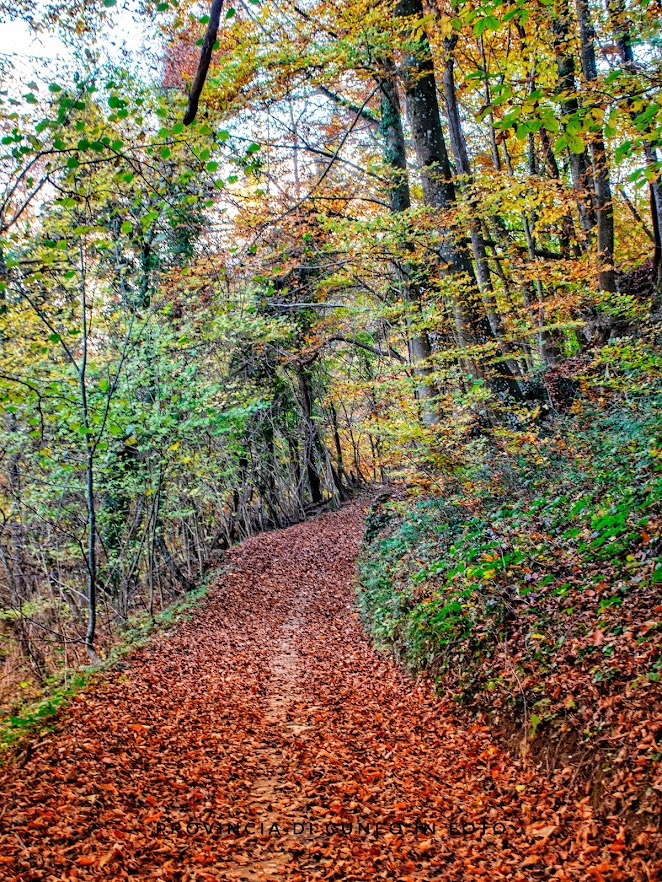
(72,162)
(576,144)
(230,13)
(54,338)
(535,721)
(212,166)
(623,150)
(30,98)
(490,22)
(126,227)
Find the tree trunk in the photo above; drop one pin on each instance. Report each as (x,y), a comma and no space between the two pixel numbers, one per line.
(463,167)
(306,398)
(623,41)
(399,200)
(656,216)
(170,562)
(567,89)
(418,77)
(621,28)
(90,500)
(603,198)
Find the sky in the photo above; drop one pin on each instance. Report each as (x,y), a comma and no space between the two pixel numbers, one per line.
(29,53)
(37,56)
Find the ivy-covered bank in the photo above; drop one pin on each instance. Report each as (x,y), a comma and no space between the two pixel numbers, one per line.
(532,593)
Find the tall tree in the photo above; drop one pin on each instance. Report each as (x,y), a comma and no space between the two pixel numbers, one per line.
(604,207)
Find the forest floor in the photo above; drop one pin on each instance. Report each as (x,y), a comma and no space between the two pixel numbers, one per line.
(270,710)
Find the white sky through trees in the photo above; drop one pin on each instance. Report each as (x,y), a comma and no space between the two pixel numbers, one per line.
(126,39)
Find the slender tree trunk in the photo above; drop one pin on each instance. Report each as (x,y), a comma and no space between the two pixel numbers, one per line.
(339,457)
(89,479)
(494,147)
(172,565)
(418,77)
(399,199)
(603,198)
(623,40)
(18,570)
(567,89)
(463,167)
(621,28)
(568,238)
(306,398)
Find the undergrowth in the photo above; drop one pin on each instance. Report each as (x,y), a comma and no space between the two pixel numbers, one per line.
(532,594)
(38,716)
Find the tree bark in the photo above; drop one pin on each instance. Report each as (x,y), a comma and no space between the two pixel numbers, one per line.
(567,89)
(306,399)
(623,41)
(176,572)
(399,199)
(418,78)
(208,44)
(463,167)
(603,198)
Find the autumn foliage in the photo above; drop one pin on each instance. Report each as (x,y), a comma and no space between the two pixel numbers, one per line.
(398,243)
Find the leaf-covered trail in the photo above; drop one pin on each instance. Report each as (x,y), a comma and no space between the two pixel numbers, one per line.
(270,709)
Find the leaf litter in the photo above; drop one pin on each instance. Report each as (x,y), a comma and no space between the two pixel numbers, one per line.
(267,739)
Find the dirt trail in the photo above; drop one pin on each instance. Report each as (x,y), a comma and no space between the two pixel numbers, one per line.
(271,711)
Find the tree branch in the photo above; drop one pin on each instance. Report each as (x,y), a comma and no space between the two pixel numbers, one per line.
(389,353)
(363,112)
(205,59)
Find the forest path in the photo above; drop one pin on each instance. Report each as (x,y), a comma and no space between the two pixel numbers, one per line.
(270,709)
